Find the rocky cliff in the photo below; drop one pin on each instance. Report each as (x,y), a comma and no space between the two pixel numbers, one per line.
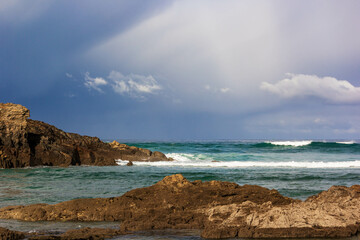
(25,142)
(218,209)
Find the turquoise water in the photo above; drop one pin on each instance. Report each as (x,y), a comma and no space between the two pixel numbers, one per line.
(296,169)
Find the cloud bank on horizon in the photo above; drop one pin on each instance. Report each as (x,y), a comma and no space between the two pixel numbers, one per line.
(192,69)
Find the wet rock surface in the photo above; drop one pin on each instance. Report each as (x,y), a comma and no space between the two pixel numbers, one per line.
(25,143)
(219,209)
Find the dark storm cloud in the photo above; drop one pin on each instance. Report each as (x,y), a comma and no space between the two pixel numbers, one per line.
(202,69)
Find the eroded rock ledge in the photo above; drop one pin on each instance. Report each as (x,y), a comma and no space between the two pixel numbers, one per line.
(219,209)
(25,143)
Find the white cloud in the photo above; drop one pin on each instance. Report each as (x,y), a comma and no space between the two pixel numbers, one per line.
(69,75)
(94,83)
(134,85)
(328,88)
(224,90)
(216,90)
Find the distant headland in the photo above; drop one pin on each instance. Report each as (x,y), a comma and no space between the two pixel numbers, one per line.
(26,143)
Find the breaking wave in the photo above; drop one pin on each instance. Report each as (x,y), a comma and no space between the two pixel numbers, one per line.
(193,160)
(348,142)
(290,143)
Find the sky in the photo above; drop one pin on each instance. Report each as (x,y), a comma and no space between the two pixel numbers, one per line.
(185,69)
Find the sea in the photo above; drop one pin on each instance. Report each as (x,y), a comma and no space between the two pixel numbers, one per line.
(296,168)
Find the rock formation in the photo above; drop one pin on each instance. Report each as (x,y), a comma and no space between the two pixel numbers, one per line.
(219,209)
(330,214)
(25,142)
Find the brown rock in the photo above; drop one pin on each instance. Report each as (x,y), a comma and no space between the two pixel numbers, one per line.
(82,234)
(330,214)
(116,144)
(220,209)
(13,135)
(157,156)
(91,233)
(25,142)
(173,202)
(132,153)
(6,234)
(219,232)
(74,234)
(130,163)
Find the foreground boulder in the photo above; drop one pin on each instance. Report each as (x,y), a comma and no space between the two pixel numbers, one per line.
(25,143)
(219,209)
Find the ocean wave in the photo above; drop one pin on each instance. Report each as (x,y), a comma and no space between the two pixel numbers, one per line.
(191,160)
(290,143)
(347,142)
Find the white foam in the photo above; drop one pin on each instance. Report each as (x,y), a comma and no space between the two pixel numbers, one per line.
(121,162)
(290,143)
(190,160)
(178,157)
(184,157)
(349,142)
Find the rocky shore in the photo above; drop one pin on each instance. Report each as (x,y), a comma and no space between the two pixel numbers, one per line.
(26,143)
(218,209)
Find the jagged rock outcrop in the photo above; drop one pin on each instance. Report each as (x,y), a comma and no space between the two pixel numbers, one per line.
(174,201)
(132,153)
(25,142)
(219,209)
(330,214)
(13,139)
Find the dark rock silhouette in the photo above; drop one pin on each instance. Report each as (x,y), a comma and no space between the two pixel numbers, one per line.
(25,142)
